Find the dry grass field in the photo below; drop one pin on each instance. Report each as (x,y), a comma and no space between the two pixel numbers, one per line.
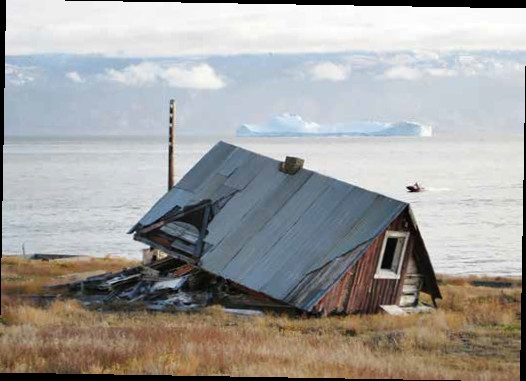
(475,335)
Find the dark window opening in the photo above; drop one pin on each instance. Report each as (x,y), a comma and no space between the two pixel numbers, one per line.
(390,262)
(389,254)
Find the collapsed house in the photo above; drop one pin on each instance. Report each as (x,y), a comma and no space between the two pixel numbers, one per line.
(290,237)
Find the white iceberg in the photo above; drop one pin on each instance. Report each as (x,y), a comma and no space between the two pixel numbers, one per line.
(283,125)
(294,125)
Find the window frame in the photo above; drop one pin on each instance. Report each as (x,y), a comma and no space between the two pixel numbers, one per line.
(389,274)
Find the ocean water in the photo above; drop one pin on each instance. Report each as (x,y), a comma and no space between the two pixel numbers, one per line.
(81,195)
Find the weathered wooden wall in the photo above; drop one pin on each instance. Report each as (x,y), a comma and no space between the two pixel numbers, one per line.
(358,291)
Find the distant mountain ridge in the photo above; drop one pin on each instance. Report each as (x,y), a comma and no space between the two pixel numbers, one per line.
(458,92)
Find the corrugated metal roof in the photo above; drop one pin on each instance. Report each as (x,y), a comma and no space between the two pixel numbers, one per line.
(290,237)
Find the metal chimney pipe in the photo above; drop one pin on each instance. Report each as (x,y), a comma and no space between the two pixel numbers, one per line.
(171,147)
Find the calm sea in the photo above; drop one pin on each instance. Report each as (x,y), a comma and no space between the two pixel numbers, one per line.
(81,195)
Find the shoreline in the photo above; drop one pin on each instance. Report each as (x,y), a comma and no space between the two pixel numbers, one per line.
(131,259)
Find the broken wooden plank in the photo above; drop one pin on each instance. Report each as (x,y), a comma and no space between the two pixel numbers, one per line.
(182,231)
(183,270)
(410,288)
(393,310)
(241,312)
(408,300)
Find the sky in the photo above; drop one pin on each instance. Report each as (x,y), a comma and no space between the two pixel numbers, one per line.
(111,67)
(173,29)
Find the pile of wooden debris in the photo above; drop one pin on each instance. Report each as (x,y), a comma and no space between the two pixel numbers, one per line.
(164,285)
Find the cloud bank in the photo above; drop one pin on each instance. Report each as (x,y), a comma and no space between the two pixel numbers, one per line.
(403,72)
(75,77)
(329,71)
(190,76)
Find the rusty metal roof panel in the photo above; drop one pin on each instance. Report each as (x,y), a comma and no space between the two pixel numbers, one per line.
(238,158)
(273,231)
(203,181)
(378,217)
(313,242)
(286,261)
(315,284)
(242,204)
(287,236)
(205,167)
(272,196)
(243,175)
(176,197)
(208,188)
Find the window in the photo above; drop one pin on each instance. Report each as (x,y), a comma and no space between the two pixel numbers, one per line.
(392,255)
(182,230)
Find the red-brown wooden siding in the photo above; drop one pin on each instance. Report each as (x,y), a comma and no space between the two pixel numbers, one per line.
(357,291)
